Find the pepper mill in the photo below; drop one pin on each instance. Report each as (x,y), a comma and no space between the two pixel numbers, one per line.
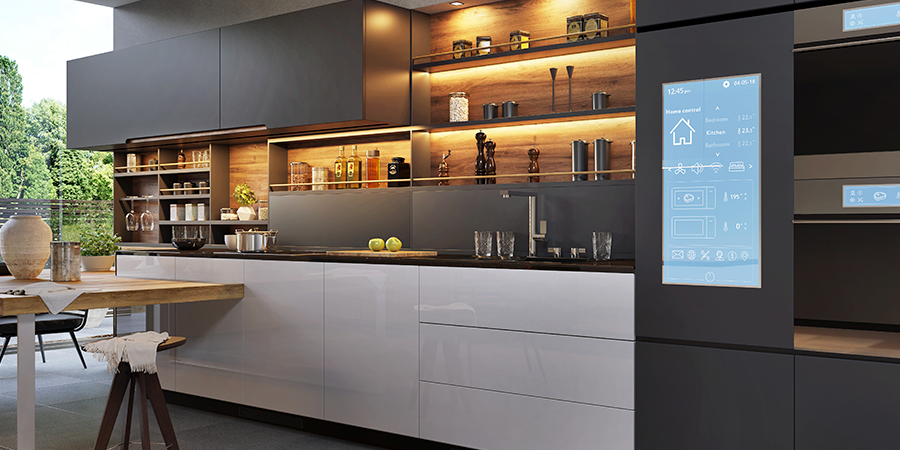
(444,169)
(533,167)
(490,168)
(480,162)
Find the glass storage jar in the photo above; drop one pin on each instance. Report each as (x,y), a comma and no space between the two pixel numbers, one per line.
(319,175)
(227,214)
(459,107)
(263,212)
(300,173)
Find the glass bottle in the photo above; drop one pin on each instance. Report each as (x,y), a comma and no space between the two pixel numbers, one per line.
(181,159)
(372,173)
(353,169)
(340,169)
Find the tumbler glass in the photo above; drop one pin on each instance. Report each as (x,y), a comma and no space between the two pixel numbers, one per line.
(506,241)
(602,241)
(483,244)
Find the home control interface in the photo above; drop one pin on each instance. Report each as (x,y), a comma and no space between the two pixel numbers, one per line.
(871,195)
(711,167)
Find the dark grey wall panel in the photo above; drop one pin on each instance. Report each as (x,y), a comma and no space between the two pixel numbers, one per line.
(733,315)
(295,69)
(655,12)
(348,219)
(167,87)
(843,404)
(704,398)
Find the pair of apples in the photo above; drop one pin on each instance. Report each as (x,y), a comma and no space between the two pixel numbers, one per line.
(377,244)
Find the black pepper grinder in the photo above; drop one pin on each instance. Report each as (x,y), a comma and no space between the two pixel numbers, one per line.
(444,169)
(480,162)
(533,167)
(490,168)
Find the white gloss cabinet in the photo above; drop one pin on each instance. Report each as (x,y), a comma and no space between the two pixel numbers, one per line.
(211,363)
(371,346)
(284,336)
(587,304)
(145,266)
(577,369)
(499,421)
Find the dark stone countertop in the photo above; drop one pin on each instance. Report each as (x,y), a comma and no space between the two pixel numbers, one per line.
(291,254)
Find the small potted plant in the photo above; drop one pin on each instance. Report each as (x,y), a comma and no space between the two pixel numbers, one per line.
(246,198)
(98,248)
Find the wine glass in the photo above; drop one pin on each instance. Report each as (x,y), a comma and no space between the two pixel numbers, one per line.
(147,222)
(131,223)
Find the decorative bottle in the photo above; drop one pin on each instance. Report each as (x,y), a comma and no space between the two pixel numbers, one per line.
(340,168)
(181,159)
(353,168)
(480,162)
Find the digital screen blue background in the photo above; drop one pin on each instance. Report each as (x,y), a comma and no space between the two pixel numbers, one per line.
(872,17)
(871,195)
(711,167)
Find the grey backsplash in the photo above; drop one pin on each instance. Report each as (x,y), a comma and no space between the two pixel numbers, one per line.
(444,218)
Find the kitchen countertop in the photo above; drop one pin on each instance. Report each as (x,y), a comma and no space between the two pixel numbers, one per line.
(293,254)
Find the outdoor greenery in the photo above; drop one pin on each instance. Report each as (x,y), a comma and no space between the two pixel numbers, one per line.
(34,160)
(97,237)
(244,195)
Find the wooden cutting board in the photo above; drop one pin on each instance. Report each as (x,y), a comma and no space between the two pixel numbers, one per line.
(381,254)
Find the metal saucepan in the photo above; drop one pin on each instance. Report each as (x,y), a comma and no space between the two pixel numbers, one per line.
(254,241)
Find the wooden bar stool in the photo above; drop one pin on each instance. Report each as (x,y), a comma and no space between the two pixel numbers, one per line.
(150,389)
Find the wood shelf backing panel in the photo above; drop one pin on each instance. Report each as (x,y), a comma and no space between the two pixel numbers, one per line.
(529,84)
(324,155)
(849,342)
(539,17)
(552,139)
(249,164)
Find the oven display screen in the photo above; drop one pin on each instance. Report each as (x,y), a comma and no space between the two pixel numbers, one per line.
(711,167)
(872,17)
(872,196)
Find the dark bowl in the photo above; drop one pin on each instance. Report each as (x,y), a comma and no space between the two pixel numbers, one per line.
(188,243)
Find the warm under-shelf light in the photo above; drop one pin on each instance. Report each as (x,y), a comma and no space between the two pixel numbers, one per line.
(456,3)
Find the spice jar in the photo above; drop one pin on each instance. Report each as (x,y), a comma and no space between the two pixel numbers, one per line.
(300,173)
(319,175)
(188,188)
(574,24)
(398,169)
(483,44)
(176,189)
(372,172)
(263,213)
(519,36)
(462,44)
(459,107)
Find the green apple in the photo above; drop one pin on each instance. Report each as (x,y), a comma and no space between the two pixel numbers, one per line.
(393,244)
(376,244)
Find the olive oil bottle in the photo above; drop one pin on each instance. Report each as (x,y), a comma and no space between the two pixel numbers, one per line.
(353,169)
(340,169)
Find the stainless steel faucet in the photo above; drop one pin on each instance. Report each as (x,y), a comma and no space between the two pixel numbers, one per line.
(532,219)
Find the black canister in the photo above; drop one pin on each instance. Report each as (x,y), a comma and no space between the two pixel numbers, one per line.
(398,170)
(600,100)
(491,111)
(510,109)
(579,159)
(602,157)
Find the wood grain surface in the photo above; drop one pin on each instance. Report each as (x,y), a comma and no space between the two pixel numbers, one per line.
(112,291)
(249,164)
(552,139)
(540,17)
(381,254)
(848,342)
(323,154)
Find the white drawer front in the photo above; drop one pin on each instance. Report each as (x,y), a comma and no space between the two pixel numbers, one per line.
(209,270)
(574,303)
(139,266)
(586,370)
(498,421)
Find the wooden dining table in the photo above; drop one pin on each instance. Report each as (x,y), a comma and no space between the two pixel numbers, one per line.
(102,290)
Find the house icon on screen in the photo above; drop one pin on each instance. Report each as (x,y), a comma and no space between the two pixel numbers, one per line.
(682,135)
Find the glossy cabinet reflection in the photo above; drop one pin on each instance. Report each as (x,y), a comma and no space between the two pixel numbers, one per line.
(371,346)
(284,336)
(139,266)
(211,363)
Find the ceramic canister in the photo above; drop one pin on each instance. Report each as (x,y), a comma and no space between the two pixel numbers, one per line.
(25,245)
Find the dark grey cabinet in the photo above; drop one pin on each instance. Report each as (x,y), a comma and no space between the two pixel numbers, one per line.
(709,398)
(764,316)
(842,404)
(657,12)
(344,62)
(163,88)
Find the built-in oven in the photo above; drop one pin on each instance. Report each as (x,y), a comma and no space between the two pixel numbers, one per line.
(847,166)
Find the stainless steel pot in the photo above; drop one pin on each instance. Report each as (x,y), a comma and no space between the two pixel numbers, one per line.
(250,241)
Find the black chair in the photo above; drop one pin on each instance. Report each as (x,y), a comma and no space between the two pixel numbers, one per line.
(46,323)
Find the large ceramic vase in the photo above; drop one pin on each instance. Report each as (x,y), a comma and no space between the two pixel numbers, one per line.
(25,245)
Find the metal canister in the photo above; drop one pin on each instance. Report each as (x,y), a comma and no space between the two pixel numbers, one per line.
(602,157)
(65,261)
(574,24)
(462,44)
(520,36)
(490,110)
(483,44)
(596,21)
(579,159)
(600,100)
(510,109)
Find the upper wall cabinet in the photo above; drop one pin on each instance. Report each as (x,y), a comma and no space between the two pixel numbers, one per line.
(345,62)
(163,88)
(656,12)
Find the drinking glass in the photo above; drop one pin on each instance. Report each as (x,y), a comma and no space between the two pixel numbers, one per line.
(483,244)
(602,242)
(147,222)
(204,155)
(131,223)
(506,241)
(196,157)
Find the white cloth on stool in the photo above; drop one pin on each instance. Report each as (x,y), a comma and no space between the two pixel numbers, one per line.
(138,350)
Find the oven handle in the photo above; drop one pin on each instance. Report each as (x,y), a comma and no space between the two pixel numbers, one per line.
(847,44)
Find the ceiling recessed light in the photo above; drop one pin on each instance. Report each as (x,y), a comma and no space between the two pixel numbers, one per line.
(456,3)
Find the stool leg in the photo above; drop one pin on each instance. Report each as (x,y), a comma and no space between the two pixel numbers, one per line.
(41,344)
(113,403)
(158,401)
(126,435)
(78,348)
(145,416)
(5,345)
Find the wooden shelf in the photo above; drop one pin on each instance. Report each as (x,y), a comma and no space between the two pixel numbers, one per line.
(184,197)
(145,173)
(847,342)
(184,171)
(566,48)
(215,222)
(568,116)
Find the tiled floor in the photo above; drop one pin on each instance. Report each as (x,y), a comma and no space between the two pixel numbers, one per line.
(70,402)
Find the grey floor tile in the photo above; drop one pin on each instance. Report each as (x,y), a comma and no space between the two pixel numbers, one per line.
(45,419)
(7,403)
(8,386)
